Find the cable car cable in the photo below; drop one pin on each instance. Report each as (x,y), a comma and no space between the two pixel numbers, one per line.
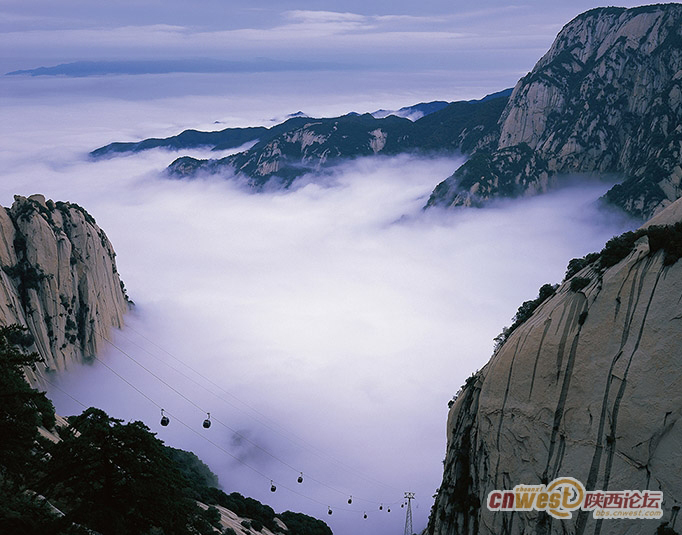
(148,398)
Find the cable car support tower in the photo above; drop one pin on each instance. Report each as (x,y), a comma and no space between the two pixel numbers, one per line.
(409,496)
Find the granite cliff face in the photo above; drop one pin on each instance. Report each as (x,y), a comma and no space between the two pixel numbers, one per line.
(589,387)
(59,279)
(606,98)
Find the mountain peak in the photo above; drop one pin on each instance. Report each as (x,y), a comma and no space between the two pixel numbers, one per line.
(605,98)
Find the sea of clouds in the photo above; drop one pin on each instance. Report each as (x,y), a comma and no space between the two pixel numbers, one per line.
(324,328)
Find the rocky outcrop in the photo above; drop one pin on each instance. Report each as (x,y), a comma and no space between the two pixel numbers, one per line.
(59,279)
(298,146)
(606,98)
(589,387)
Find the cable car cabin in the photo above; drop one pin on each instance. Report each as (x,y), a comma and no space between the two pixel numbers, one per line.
(207,421)
(164,419)
(300,478)
(272,487)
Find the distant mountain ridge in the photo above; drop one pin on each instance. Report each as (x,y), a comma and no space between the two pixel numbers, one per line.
(187,139)
(606,98)
(79,69)
(304,144)
(413,112)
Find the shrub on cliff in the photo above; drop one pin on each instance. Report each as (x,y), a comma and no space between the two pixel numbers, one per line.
(524,312)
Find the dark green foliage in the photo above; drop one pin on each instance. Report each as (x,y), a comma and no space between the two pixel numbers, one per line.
(212,516)
(26,513)
(577,264)
(22,451)
(618,248)
(125,294)
(506,172)
(197,474)
(459,126)
(470,381)
(528,307)
(116,479)
(186,166)
(25,210)
(478,167)
(300,524)
(81,318)
(22,409)
(667,238)
(229,531)
(578,283)
(28,276)
(65,206)
(524,312)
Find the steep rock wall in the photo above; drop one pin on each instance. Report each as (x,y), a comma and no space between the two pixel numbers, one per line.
(589,387)
(606,98)
(59,279)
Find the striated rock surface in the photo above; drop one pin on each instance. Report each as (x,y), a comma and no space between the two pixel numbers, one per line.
(606,98)
(59,279)
(589,387)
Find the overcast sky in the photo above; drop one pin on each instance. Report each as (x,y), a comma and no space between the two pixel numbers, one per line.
(403,35)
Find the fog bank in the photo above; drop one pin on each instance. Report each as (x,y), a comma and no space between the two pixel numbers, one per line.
(329,325)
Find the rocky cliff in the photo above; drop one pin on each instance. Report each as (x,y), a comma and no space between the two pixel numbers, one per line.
(606,98)
(589,386)
(59,279)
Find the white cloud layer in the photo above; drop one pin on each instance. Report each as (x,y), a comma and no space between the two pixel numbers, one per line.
(330,324)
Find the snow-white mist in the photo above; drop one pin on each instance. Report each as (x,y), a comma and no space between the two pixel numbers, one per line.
(324,328)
